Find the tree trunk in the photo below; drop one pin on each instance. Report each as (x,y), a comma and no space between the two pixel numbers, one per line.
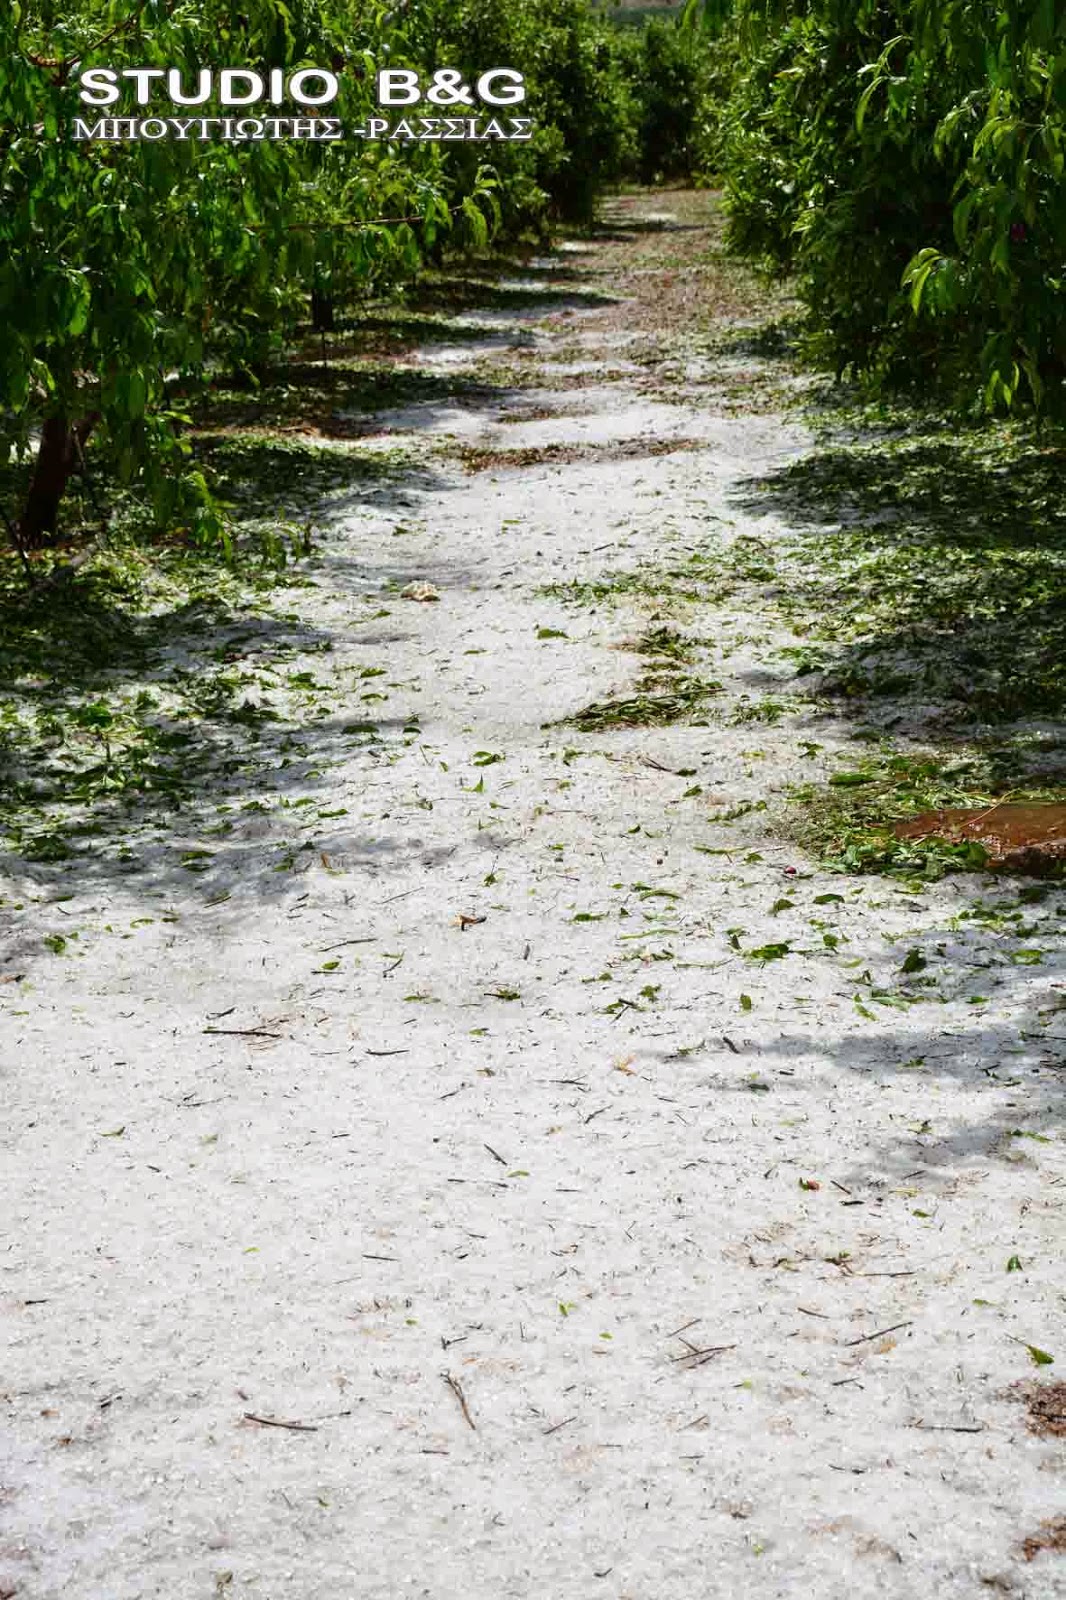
(57,456)
(322,320)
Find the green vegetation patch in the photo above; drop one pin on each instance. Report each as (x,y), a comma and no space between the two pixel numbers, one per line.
(666,693)
(143,681)
(289,474)
(655,705)
(848,822)
(933,568)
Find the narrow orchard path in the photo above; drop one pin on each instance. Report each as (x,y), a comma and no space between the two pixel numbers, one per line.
(466,1211)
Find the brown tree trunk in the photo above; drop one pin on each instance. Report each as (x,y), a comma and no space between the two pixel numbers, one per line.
(57,456)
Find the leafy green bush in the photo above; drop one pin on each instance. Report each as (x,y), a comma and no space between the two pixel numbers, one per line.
(1002,276)
(576,97)
(812,193)
(121,264)
(665,69)
(905,160)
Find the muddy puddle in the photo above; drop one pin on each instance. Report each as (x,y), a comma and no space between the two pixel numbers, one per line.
(1026,836)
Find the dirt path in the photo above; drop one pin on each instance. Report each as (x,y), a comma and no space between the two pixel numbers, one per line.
(521,1195)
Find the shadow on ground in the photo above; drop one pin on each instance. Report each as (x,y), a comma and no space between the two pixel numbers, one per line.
(260,475)
(463,294)
(256,436)
(172,732)
(933,572)
(168,723)
(923,566)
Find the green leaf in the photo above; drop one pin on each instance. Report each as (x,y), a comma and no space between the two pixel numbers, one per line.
(917,273)
(479,228)
(769,952)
